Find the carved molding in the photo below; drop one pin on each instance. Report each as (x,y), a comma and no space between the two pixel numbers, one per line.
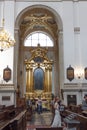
(48,0)
(7,87)
(38,19)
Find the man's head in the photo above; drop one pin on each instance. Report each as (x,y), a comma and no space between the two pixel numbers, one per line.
(85,97)
(57,99)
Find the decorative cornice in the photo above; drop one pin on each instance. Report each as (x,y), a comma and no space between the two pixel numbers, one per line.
(74,90)
(75,86)
(43,0)
(7,87)
(47,0)
(39,0)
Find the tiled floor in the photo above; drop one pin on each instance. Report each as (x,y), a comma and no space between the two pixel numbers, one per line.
(43,119)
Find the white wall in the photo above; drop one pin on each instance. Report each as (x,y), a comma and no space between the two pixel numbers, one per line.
(83,31)
(6,57)
(73,15)
(73,18)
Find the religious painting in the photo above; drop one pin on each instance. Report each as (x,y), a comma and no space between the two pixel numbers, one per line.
(70,73)
(85,72)
(38,59)
(38,79)
(7,74)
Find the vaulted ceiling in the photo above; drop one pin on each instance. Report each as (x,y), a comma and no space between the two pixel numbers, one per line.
(38,19)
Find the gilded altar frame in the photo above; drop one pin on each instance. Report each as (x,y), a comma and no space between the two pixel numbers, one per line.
(39,59)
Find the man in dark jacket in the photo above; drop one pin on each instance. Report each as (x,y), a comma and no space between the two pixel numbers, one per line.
(84,103)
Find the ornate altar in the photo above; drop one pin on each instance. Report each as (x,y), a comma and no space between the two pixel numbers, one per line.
(39,75)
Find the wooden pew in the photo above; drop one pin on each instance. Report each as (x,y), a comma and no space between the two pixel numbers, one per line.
(11,121)
(75,108)
(2,107)
(50,128)
(12,111)
(29,114)
(4,121)
(19,122)
(82,119)
(9,107)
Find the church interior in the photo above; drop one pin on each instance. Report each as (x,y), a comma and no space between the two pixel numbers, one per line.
(43,54)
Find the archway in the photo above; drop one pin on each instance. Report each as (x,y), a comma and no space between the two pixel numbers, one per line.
(50,22)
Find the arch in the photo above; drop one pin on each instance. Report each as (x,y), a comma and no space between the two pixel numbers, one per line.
(57,16)
(58,42)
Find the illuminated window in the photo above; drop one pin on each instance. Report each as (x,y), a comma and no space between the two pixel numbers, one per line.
(38,38)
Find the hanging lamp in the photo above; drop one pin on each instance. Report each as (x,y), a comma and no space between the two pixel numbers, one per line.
(6,40)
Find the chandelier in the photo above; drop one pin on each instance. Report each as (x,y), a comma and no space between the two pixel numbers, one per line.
(6,40)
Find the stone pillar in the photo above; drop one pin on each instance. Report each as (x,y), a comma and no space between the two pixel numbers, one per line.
(50,79)
(45,89)
(61,64)
(27,80)
(16,47)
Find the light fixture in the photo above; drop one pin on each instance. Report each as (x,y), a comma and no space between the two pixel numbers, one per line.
(6,40)
(79,73)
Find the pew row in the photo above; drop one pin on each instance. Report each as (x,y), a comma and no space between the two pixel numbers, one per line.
(79,118)
(75,108)
(50,128)
(17,122)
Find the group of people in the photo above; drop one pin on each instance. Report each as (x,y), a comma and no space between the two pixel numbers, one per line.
(36,105)
(56,122)
(55,107)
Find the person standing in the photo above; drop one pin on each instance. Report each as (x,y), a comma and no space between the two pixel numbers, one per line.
(33,104)
(84,103)
(39,105)
(29,103)
(57,117)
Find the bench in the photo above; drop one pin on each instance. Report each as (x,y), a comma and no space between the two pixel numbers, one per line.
(75,108)
(82,119)
(50,128)
(16,123)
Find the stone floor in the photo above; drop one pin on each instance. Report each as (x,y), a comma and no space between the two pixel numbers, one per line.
(41,120)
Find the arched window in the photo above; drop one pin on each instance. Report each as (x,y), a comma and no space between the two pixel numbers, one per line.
(38,38)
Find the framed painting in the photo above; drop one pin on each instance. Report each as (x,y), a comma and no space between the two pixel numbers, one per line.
(70,73)
(38,79)
(7,74)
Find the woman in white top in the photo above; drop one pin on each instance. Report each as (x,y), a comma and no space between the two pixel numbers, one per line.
(57,117)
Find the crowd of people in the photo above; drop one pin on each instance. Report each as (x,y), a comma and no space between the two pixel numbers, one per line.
(36,105)
(56,107)
(56,122)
